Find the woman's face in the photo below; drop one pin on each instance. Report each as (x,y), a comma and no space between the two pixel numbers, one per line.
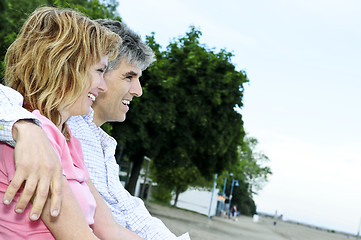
(95,85)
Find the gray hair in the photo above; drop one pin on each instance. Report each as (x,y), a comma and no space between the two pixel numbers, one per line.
(132,48)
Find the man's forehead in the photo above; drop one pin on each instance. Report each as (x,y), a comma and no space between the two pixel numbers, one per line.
(124,67)
(130,69)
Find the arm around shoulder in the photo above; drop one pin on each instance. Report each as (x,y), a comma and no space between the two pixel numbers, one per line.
(11,111)
(38,166)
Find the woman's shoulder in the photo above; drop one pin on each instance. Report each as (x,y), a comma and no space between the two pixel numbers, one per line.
(46,122)
(54,134)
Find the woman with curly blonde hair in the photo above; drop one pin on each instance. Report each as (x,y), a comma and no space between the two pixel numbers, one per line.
(57,64)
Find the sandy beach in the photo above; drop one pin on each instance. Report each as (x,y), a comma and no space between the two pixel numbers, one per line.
(200,227)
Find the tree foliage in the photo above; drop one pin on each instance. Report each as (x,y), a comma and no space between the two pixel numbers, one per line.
(176,179)
(186,116)
(253,164)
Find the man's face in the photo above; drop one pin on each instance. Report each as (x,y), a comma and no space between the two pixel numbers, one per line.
(123,84)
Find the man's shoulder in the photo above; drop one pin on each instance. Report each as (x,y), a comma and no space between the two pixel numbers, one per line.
(85,130)
(77,123)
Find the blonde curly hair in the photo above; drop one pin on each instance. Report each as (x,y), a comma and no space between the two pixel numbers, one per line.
(48,62)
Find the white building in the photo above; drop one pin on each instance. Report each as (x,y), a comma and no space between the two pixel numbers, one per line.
(198,201)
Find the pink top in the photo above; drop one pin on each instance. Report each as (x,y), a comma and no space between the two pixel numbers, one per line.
(19,226)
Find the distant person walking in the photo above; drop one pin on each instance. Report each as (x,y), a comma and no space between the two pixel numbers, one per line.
(234,212)
(275,219)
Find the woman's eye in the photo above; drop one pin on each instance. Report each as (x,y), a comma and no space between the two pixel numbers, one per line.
(100,70)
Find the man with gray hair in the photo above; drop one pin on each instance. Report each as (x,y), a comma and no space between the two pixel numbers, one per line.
(122,79)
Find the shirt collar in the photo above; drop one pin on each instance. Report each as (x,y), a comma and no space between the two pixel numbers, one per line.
(108,143)
(89,117)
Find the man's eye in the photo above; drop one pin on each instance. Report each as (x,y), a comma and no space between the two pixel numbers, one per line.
(100,70)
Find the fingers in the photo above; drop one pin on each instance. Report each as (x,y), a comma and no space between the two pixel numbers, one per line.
(38,165)
(56,194)
(13,188)
(38,189)
(39,199)
(26,195)
(51,177)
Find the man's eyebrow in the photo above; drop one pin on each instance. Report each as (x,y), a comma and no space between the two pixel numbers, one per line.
(130,73)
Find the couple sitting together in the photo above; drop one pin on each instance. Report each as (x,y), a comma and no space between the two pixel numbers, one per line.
(66,76)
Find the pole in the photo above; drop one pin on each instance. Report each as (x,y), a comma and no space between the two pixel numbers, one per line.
(224,194)
(230,196)
(230,199)
(214,186)
(224,187)
(145,177)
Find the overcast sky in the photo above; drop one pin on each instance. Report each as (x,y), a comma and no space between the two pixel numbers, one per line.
(302,58)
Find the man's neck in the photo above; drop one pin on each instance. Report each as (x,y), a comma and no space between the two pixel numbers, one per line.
(98,122)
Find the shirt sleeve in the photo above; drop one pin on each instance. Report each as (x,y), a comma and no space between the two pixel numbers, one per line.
(140,221)
(11,110)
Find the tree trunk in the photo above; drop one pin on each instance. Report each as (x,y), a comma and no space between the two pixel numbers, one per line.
(177,192)
(137,166)
(119,154)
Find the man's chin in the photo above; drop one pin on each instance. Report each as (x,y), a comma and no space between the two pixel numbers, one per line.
(121,119)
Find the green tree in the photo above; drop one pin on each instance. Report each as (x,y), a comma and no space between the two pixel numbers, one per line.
(187,112)
(177,179)
(251,172)
(92,8)
(253,164)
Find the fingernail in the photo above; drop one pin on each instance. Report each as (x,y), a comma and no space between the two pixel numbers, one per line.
(6,202)
(54,213)
(34,217)
(18,210)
